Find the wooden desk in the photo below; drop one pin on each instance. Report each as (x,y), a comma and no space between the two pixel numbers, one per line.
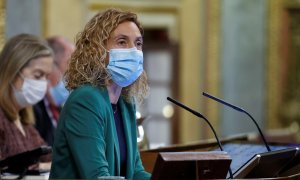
(149,156)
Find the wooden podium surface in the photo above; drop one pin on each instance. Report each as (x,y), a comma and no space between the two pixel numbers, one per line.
(149,157)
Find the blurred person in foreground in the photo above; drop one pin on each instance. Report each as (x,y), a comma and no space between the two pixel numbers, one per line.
(97,132)
(47,110)
(25,63)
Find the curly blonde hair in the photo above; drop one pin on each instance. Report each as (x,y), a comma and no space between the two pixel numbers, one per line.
(87,64)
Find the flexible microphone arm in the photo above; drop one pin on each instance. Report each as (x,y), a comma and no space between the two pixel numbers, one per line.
(198,115)
(202,117)
(240,110)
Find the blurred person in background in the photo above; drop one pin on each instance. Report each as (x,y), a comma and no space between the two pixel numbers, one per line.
(47,110)
(97,131)
(25,63)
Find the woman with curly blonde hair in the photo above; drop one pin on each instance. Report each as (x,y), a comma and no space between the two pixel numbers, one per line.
(96,133)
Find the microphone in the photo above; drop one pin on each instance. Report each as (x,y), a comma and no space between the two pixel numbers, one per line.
(202,117)
(243,111)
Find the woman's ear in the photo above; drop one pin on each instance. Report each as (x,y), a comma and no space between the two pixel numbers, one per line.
(106,60)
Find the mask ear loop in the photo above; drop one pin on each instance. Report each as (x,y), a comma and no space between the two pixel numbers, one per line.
(103,59)
(22,77)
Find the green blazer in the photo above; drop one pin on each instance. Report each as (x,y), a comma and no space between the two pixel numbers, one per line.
(86,142)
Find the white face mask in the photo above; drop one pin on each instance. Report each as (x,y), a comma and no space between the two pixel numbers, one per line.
(32,91)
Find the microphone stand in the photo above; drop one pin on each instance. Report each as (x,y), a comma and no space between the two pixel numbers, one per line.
(202,117)
(243,111)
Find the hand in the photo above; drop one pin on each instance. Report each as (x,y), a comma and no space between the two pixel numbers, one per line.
(34,167)
(46,166)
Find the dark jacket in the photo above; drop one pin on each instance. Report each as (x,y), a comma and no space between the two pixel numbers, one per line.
(43,122)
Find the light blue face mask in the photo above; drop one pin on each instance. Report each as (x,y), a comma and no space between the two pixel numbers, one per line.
(59,93)
(125,65)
